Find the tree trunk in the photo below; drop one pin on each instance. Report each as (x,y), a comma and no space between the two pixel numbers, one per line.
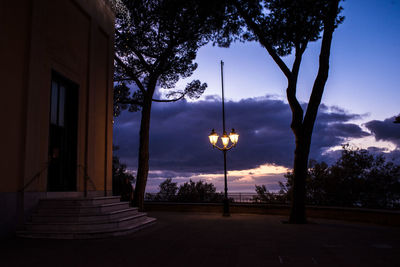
(143,159)
(298,210)
(303,128)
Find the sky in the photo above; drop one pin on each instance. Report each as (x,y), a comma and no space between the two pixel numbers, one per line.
(360,101)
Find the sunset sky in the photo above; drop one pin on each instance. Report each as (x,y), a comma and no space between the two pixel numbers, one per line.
(360,101)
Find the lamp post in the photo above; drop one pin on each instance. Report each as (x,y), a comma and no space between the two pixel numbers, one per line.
(233,137)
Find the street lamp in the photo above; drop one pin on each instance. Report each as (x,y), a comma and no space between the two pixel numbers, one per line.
(233,137)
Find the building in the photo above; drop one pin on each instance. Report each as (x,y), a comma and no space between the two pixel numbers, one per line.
(56,103)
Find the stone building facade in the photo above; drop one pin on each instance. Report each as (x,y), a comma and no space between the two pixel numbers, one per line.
(56,103)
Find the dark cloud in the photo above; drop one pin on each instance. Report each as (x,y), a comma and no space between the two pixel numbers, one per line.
(336,114)
(179,135)
(385,130)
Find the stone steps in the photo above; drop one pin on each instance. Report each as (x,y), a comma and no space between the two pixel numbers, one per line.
(71,217)
(58,202)
(84,218)
(93,209)
(84,226)
(88,234)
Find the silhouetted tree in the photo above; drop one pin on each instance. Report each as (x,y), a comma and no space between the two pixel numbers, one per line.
(318,178)
(366,180)
(167,191)
(284,27)
(156,42)
(119,174)
(198,192)
(357,179)
(264,196)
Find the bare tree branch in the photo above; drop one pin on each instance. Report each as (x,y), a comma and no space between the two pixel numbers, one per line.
(130,102)
(137,53)
(123,79)
(320,80)
(130,73)
(170,100)
(297,110)
(257,31)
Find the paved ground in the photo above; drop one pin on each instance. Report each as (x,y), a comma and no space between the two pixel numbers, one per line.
(208,239)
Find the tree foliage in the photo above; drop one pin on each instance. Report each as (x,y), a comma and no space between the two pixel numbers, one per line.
(285,27)
(357,179)
(193,192)
(119,174)
(167,191)
(264,196)
(199,191)
(156,42)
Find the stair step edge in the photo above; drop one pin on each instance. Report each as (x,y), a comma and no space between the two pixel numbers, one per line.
(148,221)
(89,223)
(37,214)
(79,199)
(86,206)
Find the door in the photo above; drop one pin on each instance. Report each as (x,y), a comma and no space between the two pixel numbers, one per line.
(62,169)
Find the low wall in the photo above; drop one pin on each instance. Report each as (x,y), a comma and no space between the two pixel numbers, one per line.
(383,217)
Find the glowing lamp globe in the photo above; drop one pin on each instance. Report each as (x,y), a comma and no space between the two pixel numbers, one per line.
(225,139)
(213,137)
(234,137)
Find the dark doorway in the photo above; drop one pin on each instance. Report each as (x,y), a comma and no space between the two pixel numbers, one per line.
(63,134)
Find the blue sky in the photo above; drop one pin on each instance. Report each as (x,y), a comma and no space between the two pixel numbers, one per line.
(361,96)
(364,64)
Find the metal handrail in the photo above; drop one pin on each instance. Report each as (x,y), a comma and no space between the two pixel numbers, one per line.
(238,197)
(279,198)
(35,177)
(86,176)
